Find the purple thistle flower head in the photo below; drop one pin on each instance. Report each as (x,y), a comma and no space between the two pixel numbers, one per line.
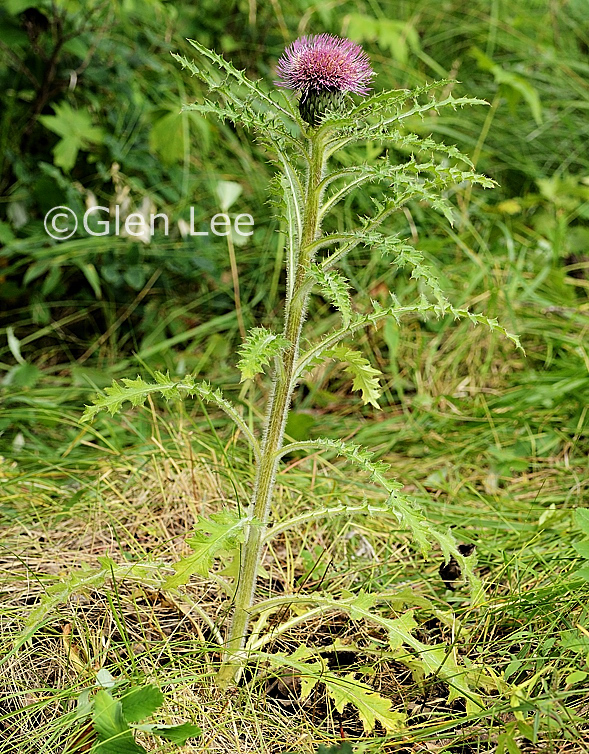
(323,68)
(322,62)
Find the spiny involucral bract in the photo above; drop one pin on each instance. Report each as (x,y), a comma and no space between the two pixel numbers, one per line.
(323,68)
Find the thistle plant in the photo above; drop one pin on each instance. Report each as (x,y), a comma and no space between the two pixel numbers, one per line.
(324,73)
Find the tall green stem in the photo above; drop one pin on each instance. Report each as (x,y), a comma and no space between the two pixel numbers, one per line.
(276,416)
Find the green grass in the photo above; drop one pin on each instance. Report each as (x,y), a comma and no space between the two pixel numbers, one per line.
(491,442)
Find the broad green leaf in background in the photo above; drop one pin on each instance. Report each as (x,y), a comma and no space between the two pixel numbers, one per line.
(105,679)
(178,734)
(170,134)
(166,137)
(140,702)
(582,519)
(22,375)
(514,85)
(76,131)
(6,234)
(398,37)
(576,676)
(115,736)
(575,641)
(582,548)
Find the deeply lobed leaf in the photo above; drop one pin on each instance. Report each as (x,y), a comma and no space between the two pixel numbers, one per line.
(370,705)
(222,531)
(259,348)
(335,289)
(364,374)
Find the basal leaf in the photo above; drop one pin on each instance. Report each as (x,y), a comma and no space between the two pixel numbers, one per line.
(371,706)
(362,602)
(429,660)
(314,670)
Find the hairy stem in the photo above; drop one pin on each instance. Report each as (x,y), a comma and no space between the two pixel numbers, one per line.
(276,416)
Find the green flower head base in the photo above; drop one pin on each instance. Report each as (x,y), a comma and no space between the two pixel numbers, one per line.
(323,68)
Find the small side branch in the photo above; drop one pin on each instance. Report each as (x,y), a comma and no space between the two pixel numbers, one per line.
(320,513)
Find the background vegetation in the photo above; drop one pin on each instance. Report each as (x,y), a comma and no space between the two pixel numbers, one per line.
(491,442)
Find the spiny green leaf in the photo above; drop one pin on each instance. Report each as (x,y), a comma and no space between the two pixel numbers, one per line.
(243,100)
(371,706)
(140,702)
(244,114)
(398,629)
(259,348)
(364,601)
(239,77)
(59,593)
(362,457)
(335,289)
(365,375)
(115,736)
(221,531)
(287,186)
(408,255)
(437,660)
(424,307)
(136,392)
(404,509)
(379,128)
(408,180)
(76,129)
(394,98)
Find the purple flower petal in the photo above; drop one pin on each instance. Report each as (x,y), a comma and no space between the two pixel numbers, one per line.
(324,62)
